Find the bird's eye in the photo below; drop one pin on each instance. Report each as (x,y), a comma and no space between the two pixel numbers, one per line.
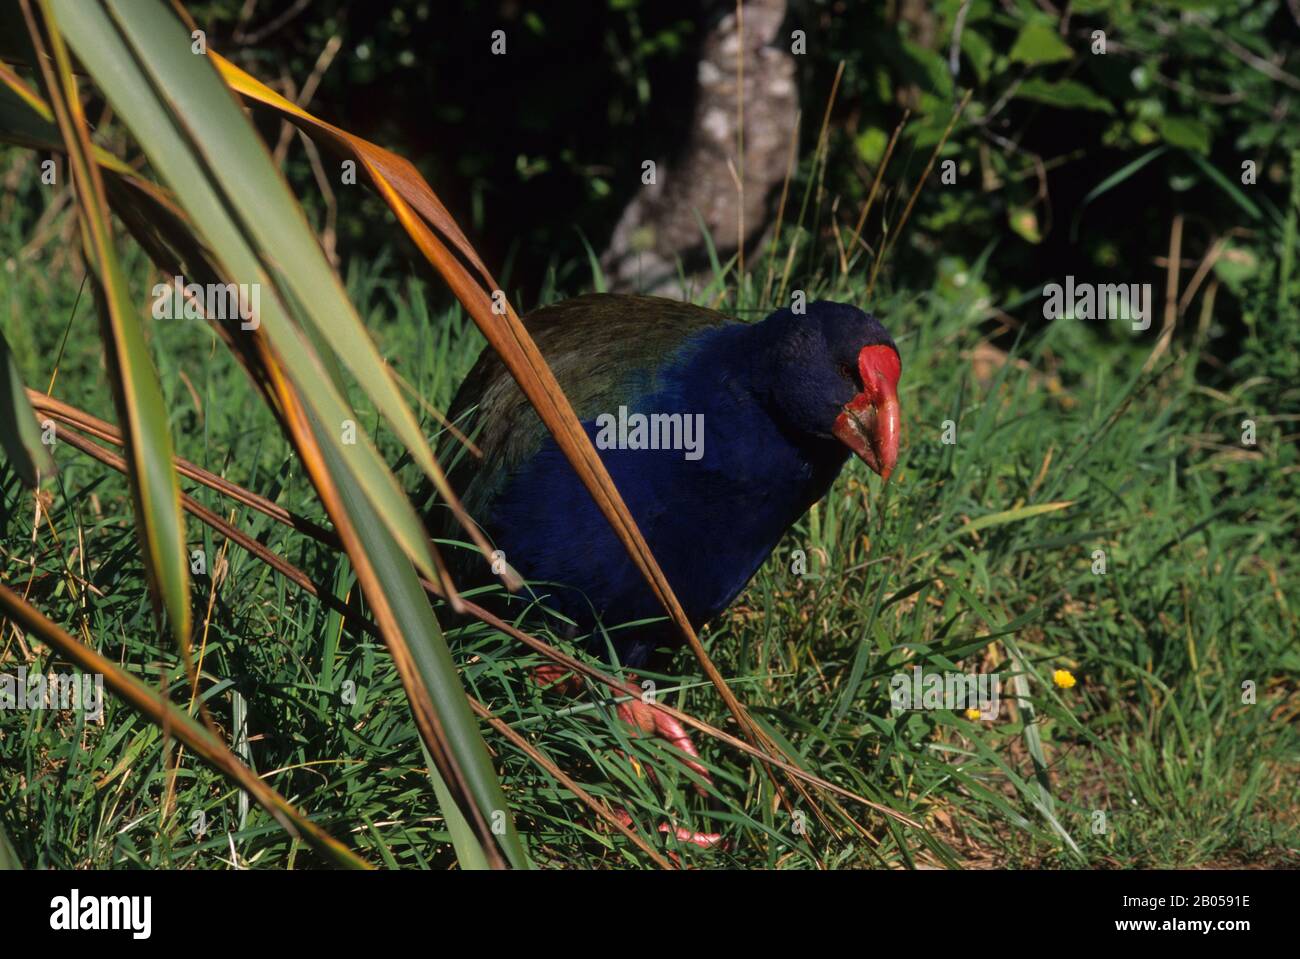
(846,371)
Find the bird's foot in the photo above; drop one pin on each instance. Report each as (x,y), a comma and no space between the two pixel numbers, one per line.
(557,678)
(649,721)
(637,713)
(705,840)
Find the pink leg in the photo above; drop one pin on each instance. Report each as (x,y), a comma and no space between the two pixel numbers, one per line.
(647,721)
(637,714)
(651,721)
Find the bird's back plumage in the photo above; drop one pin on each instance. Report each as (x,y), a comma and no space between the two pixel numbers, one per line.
(603,349)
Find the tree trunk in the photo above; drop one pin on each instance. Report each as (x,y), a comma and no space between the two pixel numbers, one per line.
(661,227)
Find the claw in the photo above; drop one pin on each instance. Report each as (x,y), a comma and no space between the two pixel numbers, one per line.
(557,678)
(705,840)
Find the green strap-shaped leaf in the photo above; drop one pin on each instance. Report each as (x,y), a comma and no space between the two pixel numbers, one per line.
(20,437)
(165,139)
(240,164)
(136,389)
(437,671)
(469,854)
(179,147)
(25,119)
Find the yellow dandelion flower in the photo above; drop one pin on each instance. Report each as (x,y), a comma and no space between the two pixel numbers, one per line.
(1064,678)
(972,714)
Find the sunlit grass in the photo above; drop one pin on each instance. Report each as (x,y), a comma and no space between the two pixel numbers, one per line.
(1151,759)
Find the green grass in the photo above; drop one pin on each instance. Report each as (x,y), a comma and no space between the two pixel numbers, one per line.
(949,567)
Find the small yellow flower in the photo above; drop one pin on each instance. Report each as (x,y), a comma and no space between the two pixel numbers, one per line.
(1064,678)
(972,714)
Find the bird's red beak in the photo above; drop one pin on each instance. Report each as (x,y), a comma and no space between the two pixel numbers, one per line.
(869,424)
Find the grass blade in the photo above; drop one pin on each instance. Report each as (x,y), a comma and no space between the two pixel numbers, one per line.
(1009,516)
(160,711)
(1114,180)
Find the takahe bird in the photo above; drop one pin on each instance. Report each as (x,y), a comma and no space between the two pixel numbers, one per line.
(766,414)
(745,427)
